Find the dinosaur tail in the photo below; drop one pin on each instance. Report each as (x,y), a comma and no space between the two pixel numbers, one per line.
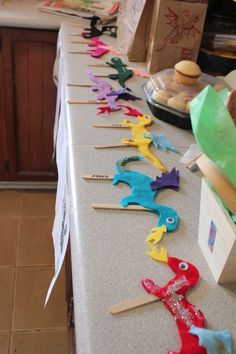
(122,162)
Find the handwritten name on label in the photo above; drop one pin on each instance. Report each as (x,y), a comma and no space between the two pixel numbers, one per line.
(100,176)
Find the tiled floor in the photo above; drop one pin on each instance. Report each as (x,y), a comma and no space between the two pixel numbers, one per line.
(26,268)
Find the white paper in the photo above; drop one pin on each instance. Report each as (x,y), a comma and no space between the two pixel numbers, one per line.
(61,227)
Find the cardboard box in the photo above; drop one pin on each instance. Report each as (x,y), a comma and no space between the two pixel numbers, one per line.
(217,236)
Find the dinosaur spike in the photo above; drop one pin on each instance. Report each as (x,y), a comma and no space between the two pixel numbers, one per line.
(161,142)
(160,256)
(167,180)
(105,109)
(132,111)
(156,234)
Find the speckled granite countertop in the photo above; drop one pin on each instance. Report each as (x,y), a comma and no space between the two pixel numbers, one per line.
(108,248)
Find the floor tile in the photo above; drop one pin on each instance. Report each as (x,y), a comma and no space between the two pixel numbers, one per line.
(10,203)
(6,295)
(40,342)
(35,246)
(31,288)
(8,239)
(38,203)
(4,342)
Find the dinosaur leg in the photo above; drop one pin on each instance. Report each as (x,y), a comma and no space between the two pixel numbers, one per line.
(144,150)
(126,201)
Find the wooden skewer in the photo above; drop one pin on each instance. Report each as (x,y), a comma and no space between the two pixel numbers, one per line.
(222,185)
(87,102)
(133,303)
(79,85)
(98,177)
(114,125)
(108,146)
(118,207)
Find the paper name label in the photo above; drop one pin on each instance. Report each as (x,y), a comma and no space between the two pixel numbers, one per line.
(95,176)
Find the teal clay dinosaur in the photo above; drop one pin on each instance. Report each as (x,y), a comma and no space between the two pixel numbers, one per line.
(142,193)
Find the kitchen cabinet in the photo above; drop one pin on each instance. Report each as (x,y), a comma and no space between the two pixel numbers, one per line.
(28,99)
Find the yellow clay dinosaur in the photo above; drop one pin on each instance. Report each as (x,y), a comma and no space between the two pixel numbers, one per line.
(142,143)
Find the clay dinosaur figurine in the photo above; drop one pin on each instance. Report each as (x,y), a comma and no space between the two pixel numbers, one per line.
(143,195)
(123,73)
(189,319)
(139,140)
(105,92)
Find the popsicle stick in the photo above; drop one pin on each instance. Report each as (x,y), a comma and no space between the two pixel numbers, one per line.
(76,52)
(98,177)
(117,207)
(80,42)
(221,184)
(114,125)
(99,65)
(108,146)
(79,85)
(101,75)
(133,303)
(87,102)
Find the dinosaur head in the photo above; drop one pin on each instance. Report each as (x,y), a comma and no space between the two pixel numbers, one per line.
(186,269)
(144,119)
(168,217)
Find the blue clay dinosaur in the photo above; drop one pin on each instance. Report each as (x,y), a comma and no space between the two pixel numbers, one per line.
(142,193)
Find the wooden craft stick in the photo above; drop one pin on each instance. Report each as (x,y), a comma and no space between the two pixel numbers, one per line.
(108,146)
(80,42)
(221,184)
(79,85)
(76,52)
(98,177)
(99,65)
(87,102)
(117,207)
(133,303)
(114,125)
(101,75)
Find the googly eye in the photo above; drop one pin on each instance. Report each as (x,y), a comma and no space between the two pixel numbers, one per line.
(183,266)
(170,220)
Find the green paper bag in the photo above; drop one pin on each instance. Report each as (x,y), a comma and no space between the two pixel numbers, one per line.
(214,129)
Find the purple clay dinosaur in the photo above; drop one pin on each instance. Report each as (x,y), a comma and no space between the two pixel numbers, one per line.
(105,93)
(104,88)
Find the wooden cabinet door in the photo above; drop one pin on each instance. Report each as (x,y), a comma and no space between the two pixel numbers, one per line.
(3,155)
(30,98)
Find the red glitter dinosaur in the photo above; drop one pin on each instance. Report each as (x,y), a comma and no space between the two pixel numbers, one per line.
(173,297)
(181,25)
